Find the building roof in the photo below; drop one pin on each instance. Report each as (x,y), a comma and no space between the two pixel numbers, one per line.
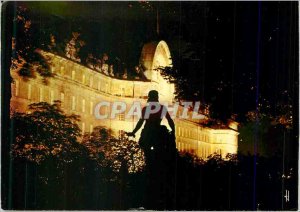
(151,50)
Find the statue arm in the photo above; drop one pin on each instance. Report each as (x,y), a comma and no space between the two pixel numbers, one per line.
(138,126)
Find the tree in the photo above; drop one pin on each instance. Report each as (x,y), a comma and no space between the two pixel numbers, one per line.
(25,41)
(122,162)
(113,152)
(45,131)
(47,159)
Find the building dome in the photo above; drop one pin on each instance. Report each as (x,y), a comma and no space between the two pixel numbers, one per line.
(154,55)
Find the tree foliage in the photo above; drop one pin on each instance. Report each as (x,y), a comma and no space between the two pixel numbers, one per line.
(25,41)
(45,131)
(49,159)
(109,171)
(263,133)
(183,58)
(113,152)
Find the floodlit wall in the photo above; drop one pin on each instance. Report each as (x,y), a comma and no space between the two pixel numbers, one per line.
(80,89)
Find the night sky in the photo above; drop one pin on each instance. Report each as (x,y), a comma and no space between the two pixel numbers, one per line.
(235,55)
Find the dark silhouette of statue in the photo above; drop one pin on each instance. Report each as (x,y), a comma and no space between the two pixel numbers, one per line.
(158,144)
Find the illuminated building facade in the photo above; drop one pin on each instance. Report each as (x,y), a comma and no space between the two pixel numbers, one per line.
(80,88)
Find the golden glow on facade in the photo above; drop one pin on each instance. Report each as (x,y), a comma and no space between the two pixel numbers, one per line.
(81,88)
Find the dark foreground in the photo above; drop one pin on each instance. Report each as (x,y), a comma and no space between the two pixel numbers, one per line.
(235,184)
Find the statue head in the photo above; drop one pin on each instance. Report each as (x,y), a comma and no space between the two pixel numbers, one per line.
(153,96)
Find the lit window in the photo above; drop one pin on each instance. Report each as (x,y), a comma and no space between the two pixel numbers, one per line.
(98,86)
(41,91)
(121,133)
(106,87)
(83,105)
(73,103)
(83,78)
(51,96)
(73,75)
(62,99)
(17,87)
(62,70)
(91,128)
(83,128)
(91,81)
(122,116)
(29,91)
(91,108)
